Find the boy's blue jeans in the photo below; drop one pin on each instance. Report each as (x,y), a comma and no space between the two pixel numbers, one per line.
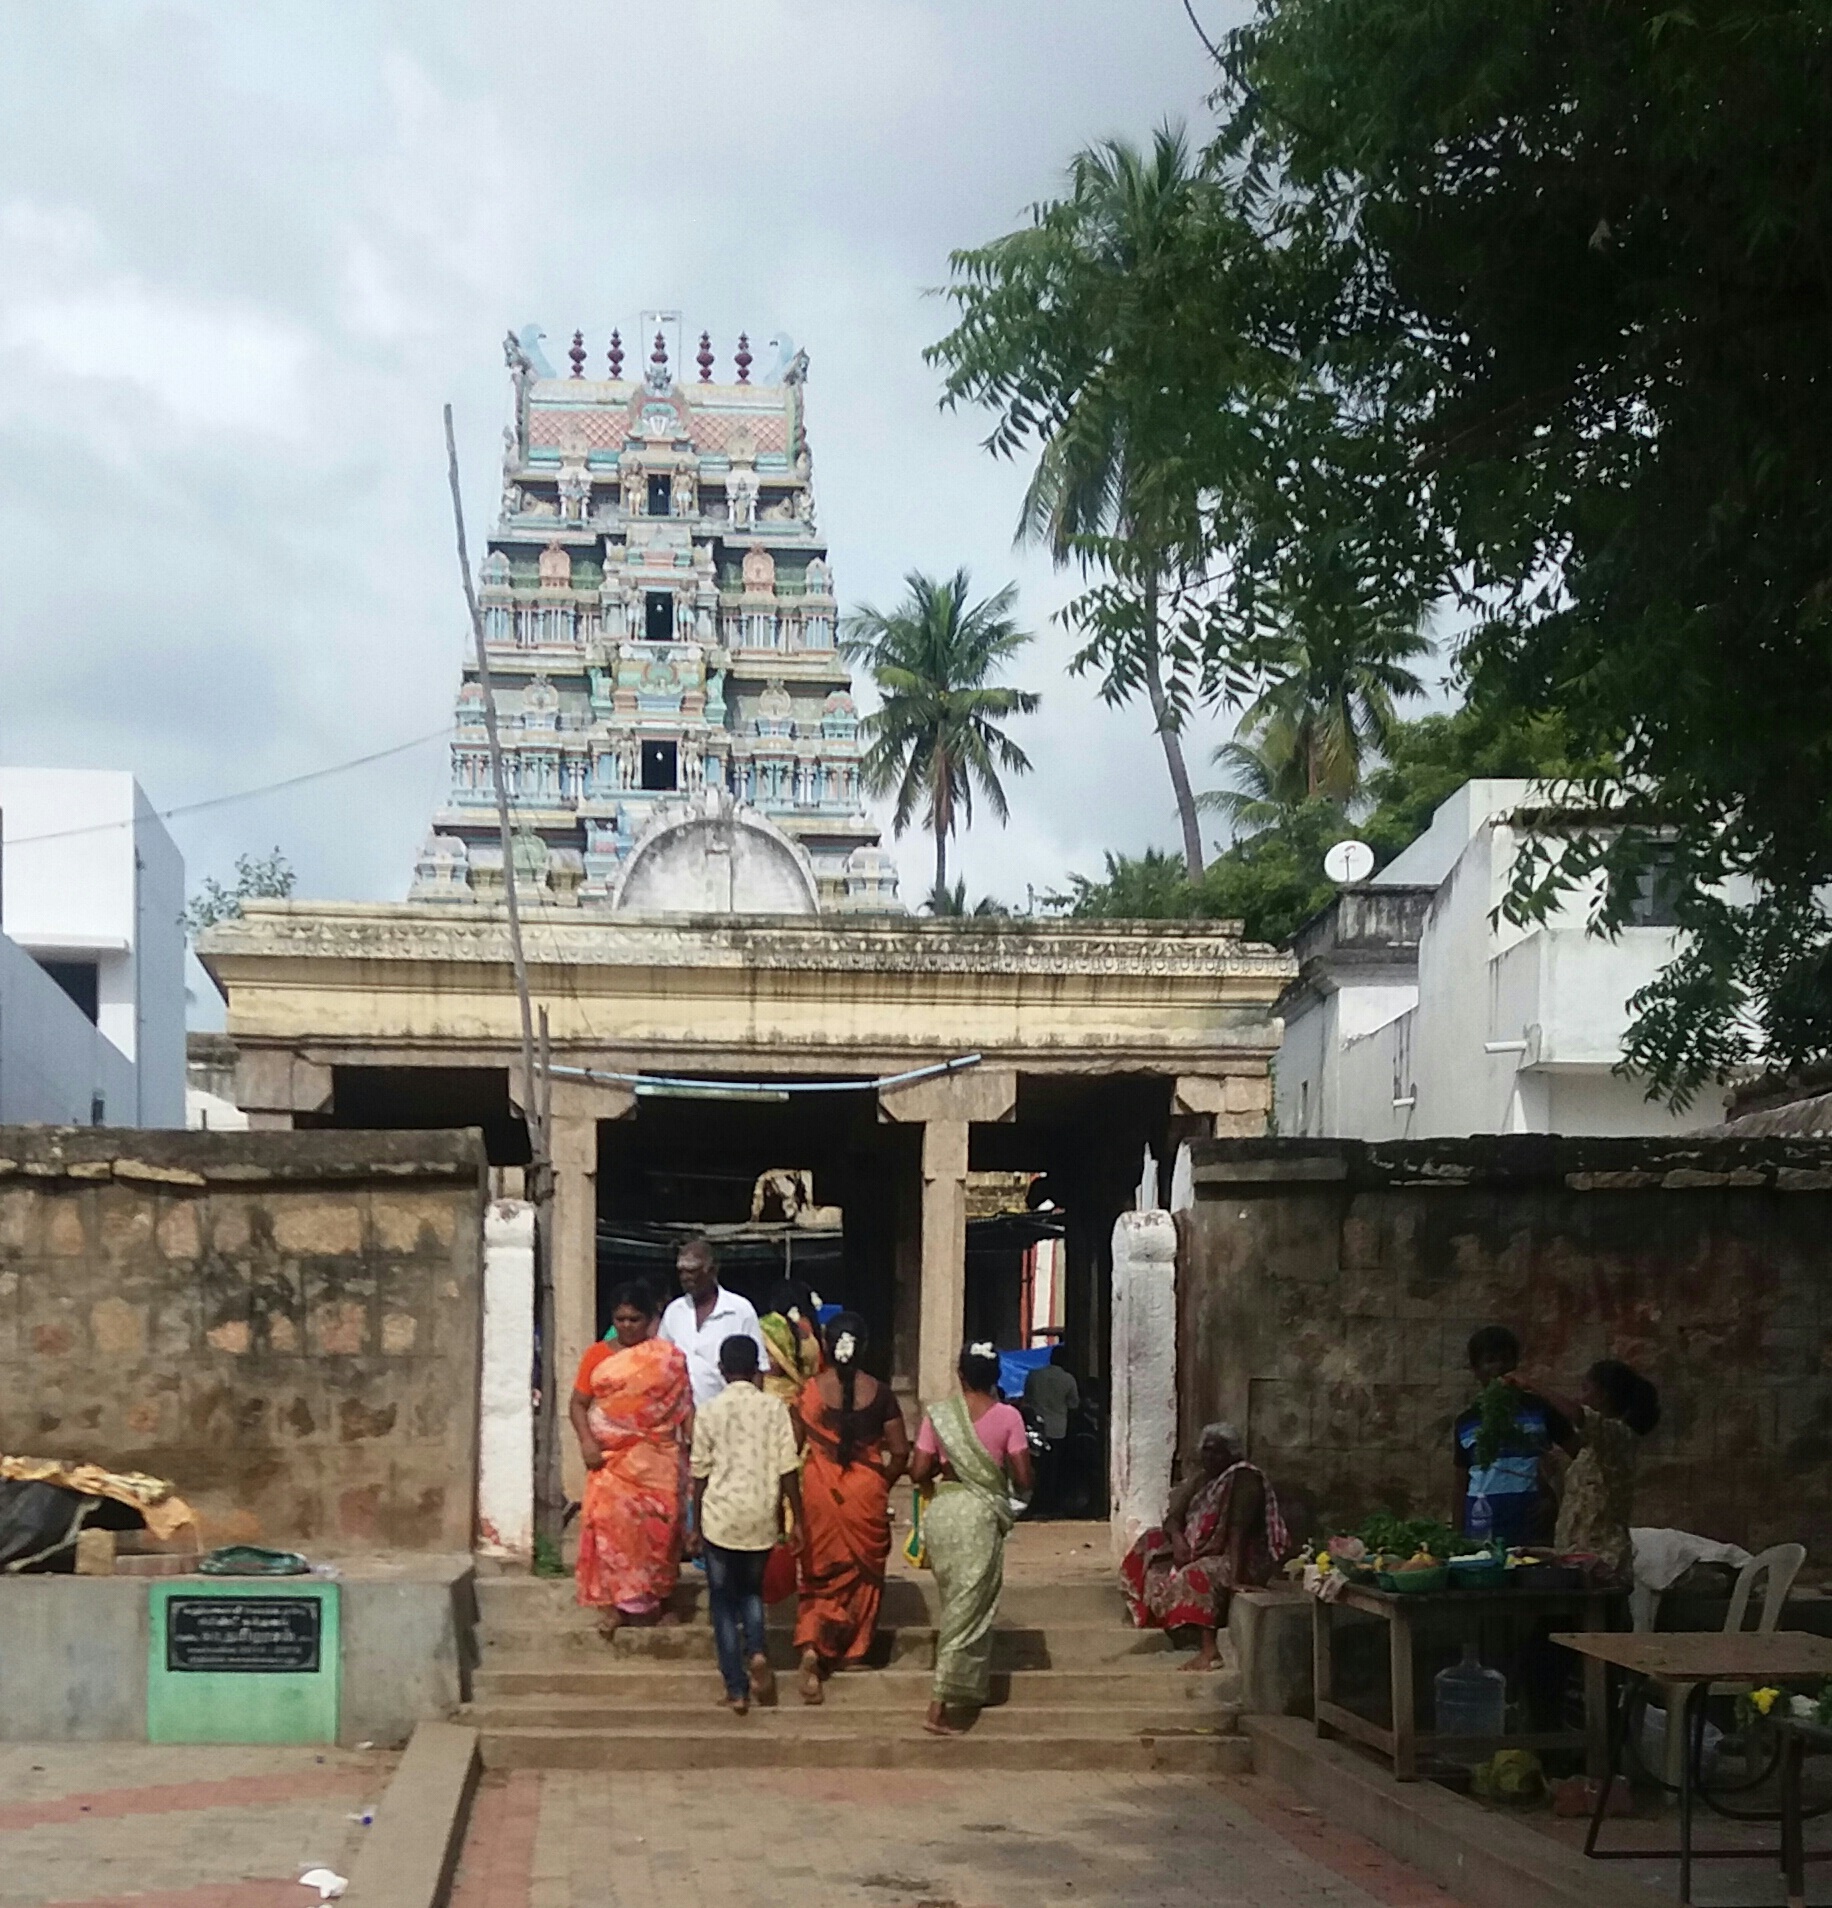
(734,1590)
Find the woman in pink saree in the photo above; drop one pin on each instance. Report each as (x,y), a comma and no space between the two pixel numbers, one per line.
(632,1408)
(1222,1532)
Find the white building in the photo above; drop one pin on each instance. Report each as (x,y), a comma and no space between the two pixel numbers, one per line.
(1421,1011)
(92,1004)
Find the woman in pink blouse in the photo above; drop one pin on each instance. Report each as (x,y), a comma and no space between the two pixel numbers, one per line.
(975,1450)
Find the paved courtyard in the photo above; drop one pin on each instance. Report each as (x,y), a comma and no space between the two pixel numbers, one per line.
(125,1825)
(888,1840)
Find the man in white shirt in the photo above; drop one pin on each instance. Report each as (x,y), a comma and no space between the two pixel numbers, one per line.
(704,1317)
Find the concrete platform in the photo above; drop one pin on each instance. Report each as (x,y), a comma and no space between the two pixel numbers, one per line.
(73,1667)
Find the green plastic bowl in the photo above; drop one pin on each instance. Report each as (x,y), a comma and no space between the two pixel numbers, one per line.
(1479,1573)
(1414,1582)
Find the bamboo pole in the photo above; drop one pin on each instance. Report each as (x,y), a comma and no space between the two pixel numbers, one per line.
(537,1098)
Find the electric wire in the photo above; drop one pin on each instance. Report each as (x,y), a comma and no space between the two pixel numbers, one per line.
(241,795)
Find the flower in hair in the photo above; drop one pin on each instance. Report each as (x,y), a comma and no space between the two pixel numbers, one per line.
(984,1349)
(843,1348)
(793,1314)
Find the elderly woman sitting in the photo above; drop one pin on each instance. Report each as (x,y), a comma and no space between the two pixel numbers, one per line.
(1221,1532)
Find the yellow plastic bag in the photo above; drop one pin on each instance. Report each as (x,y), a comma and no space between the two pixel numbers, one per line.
(1510,1775)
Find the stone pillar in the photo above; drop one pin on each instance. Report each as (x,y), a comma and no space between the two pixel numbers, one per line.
(1143,1420)
(946,1107)
(578,1106)
(944,1256)
(505,1437)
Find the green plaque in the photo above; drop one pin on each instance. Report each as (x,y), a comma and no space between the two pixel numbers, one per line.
(253,1661)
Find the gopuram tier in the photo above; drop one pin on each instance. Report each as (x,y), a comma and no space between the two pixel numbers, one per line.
(661,628)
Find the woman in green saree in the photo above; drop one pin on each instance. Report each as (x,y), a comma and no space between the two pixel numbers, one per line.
(975,1450)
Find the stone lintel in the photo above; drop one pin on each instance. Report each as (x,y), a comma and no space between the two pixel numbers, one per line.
(280,1080)
(978,1095)
(578,1102)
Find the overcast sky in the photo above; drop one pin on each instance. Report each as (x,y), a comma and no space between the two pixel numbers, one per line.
(250,250)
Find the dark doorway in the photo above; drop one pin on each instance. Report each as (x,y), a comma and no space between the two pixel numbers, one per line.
(658,616)
(683,1163)
(660,766)
(661,497)
(429,1097)
(78,980)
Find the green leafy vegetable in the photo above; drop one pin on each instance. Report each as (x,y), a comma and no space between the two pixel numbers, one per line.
(1498,1428)
(1383,1533)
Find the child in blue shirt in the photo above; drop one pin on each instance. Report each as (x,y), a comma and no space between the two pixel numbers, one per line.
(1507,1500)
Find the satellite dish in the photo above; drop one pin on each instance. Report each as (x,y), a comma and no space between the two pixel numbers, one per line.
(1349,861)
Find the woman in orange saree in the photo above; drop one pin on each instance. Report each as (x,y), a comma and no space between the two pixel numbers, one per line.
(854,1448)
(632,1408)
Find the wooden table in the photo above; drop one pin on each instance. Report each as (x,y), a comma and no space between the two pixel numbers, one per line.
(1403,1742)
(1694,1660)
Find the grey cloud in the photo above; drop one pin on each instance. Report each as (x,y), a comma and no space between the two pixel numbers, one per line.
(233,563)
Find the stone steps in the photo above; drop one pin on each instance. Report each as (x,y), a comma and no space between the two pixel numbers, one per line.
(546,1602)
(623,1717)
(803,1739)
(1074,1687)
(639,1685)
(1061,1646)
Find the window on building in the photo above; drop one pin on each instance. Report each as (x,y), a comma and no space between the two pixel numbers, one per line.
(658,616)
(78,980)
(661,497)
(659,765)
(1656,891)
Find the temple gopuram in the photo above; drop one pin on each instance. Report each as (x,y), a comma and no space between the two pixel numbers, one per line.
(732,995)
(677,724)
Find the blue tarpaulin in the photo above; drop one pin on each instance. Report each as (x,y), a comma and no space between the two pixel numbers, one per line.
(1016,1366)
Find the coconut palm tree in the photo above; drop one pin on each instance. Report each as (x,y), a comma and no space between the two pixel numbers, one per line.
(1266,777)
(951,903)
(936,738)
(1064,322)
(1326,712)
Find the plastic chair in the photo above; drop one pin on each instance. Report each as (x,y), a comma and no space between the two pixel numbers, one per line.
(1780,1565)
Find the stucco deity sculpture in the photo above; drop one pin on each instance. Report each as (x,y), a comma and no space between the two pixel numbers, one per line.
(575,492)
(741,496)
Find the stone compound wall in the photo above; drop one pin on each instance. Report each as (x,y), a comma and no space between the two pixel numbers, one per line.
(286,1325)
(1326,1290)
